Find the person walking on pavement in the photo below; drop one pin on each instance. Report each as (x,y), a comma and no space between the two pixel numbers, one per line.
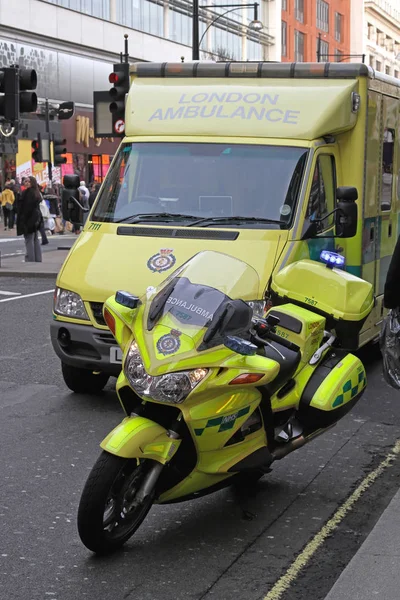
(84,197)
(15,188)
(44,209)
(7,204)
(30,219)
(93,194)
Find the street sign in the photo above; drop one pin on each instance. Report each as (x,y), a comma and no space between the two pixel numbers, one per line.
(66,110)
(103,127)
(119,126)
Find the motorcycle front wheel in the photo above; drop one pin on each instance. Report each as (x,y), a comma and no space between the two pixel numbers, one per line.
(109,512)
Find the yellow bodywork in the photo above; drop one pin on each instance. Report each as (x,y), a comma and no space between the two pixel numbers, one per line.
(137,437)
(310,110)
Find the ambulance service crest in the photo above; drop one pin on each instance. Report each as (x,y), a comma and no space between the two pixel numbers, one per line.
(162,261)
(169,343)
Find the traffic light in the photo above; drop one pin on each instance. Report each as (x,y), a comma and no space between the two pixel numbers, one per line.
(17,84)
(59,148)
(27,83)
(120,78)
(37,149)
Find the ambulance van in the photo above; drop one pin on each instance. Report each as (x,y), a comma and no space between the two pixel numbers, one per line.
(248,159)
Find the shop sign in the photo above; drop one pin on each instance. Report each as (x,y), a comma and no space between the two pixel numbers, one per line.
(85,132)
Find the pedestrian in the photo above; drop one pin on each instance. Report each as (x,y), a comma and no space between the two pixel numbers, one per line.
(7,204)
(84,198)
(29,219)
(93,194)
(15,187)
(44,209)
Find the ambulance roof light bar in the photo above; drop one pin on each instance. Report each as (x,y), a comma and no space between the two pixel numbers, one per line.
(252,70)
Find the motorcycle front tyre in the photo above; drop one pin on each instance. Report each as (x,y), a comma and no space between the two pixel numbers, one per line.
(107,516)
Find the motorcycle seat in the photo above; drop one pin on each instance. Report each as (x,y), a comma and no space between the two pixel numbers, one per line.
(288,364)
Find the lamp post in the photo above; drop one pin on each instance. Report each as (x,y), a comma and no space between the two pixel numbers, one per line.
(255,24)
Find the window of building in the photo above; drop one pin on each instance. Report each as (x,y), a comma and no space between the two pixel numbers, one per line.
(378,65)
(338,55)
(322,15)
(338,27)
(370,31)
(284,38)
(371,61)
(284,4)
(396,74)
(322,51)
(94,8)
(322,194)
(299,10)
(299,46)
(387,168)
(387,70)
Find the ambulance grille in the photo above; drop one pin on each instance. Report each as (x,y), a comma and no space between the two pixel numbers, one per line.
(194,234)
(97,310)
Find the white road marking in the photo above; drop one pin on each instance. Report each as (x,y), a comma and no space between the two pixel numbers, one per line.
(27,296)
(9,293)
(2,240)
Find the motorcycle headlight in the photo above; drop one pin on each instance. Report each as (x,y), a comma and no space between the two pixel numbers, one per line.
(69,304)
(259,308)
(171,387)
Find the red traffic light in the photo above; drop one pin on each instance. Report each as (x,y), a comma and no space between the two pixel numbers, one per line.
(113,78)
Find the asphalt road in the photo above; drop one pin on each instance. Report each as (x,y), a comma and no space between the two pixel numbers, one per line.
(223,546)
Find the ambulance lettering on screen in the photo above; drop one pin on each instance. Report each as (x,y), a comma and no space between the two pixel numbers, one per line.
(232,105)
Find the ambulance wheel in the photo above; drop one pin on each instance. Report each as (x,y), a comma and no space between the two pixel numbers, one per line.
(83,381)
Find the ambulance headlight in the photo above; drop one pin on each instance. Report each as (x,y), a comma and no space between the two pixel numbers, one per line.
(69,304)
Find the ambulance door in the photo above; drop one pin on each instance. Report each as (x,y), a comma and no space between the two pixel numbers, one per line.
(321,200)
(388,210)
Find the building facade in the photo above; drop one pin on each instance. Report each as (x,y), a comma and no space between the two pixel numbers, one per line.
(315,30)
(382,35)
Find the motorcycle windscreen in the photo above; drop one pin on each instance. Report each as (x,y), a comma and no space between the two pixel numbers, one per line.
(193,300)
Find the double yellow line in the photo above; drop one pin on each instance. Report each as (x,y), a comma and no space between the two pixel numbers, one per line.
(303,559)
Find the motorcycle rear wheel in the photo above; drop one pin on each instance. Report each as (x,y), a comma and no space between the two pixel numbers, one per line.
(108,514)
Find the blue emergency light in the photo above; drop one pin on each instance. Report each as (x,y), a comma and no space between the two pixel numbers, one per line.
(332,259)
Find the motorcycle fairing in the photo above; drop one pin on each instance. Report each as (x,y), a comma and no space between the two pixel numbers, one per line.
(138,437)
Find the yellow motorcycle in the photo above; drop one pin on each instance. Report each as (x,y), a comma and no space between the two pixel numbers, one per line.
(214,394)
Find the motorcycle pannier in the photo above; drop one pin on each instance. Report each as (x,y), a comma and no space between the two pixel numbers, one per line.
(342,298)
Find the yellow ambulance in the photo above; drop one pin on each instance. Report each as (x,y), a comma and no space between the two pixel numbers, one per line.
(241,158)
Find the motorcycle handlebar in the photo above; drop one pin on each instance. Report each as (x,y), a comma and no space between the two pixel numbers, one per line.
(277,338)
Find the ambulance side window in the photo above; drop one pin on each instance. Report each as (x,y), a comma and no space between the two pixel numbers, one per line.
(322,195)
(387,169)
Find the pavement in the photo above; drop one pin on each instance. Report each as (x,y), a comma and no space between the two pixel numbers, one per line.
(52,260)
(374,570)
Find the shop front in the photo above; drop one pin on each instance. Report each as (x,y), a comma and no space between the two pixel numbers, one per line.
(87,156)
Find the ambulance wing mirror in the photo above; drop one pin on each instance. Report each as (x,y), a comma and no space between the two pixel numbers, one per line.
(346,212)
